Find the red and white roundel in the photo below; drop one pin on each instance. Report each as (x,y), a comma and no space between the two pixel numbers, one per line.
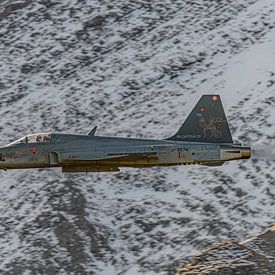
(214,98)
(34,150)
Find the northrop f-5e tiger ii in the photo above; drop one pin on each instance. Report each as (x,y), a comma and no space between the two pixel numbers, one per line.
(204,138)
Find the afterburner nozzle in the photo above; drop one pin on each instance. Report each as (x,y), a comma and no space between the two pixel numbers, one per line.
(245,152)
(235,152)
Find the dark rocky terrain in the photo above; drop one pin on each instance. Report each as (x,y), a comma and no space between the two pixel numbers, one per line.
(254,256)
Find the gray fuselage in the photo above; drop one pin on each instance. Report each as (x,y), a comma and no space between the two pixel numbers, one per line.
(85,153)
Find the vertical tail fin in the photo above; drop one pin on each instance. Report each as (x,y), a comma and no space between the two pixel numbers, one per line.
(206,123)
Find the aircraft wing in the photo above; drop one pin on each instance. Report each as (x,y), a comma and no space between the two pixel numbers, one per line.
(132,156)
(78,156)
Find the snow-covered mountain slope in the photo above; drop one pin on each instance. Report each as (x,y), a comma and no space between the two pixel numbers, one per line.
(134,68)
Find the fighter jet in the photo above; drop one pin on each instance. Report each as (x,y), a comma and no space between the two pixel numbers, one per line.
(204,138)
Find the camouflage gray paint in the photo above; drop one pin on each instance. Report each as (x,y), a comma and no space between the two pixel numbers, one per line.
(204,139)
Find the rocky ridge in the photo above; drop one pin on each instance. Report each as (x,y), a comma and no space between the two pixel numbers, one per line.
(253,256)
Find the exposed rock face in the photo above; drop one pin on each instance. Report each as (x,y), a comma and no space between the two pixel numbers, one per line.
(255,256)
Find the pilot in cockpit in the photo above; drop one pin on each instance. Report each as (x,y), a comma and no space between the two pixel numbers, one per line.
(39,138)
(46,139)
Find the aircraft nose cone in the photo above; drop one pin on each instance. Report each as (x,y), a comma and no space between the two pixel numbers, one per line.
(2,159)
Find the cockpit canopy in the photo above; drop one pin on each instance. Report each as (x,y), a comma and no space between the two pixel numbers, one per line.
(35,138)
